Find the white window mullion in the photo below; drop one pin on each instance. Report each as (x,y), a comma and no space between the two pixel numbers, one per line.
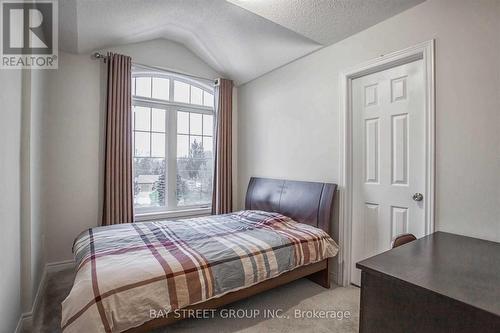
(172,158)
(171,90)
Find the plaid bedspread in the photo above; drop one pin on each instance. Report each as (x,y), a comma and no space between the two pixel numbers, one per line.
(131,273)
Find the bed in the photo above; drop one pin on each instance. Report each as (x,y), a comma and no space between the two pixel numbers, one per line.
(140,276)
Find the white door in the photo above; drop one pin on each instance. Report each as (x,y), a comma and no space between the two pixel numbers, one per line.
(388,137)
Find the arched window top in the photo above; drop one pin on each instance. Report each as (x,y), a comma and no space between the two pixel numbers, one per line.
(171,87)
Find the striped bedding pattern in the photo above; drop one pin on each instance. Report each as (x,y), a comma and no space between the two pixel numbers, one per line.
(127,272)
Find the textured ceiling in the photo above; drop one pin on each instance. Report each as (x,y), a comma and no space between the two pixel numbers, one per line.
(326,21)
(241,41)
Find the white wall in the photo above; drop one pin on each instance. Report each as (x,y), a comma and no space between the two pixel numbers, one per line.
(71,162)
(73,137)
(10,183)
(21,206)
(289,119)
(26,290)
(34,105)
(39,108)
(167,55)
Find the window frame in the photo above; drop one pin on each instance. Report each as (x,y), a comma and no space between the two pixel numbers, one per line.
(171,209)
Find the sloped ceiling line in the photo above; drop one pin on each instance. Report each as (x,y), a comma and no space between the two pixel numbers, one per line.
(239,38)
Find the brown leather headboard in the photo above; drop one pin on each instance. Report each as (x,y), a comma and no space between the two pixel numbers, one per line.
(305,202)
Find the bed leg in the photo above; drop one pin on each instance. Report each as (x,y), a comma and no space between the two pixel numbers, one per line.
(322,277)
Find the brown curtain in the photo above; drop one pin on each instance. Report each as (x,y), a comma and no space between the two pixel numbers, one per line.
(222,198)
(118,196)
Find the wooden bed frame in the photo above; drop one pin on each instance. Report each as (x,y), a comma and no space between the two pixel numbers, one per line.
(305,202)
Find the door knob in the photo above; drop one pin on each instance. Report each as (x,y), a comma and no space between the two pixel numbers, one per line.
(418,197)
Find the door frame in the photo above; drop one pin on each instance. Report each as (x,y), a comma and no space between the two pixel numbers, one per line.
(423,51)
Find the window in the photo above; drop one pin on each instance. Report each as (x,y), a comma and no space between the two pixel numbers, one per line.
(173,125)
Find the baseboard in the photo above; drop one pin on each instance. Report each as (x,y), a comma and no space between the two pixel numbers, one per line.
(26,320)
(340,274)
(336,272)
(333,277)
(25,323)
(58,266)
(19,327)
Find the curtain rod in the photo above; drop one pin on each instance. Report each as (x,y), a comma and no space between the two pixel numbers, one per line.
(100,56)
(173,72)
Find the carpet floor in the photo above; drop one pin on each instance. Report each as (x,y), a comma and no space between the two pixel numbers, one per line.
(296,308)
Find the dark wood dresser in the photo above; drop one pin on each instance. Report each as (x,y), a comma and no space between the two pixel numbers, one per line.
(439,283)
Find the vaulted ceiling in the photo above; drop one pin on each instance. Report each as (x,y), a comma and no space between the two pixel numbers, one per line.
(241,39)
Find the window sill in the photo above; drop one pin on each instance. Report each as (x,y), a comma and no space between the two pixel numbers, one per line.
(173,214)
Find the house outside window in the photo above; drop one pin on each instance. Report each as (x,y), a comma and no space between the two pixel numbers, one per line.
(173,131)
